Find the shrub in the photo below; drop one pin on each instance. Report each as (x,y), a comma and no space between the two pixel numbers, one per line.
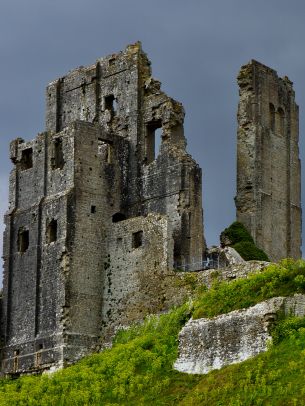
(237,232)
(240,239)
(249,251)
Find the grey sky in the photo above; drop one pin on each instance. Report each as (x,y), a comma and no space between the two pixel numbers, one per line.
(196,48)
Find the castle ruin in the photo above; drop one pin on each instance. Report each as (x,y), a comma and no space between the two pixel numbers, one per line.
(268,200)
(99,216)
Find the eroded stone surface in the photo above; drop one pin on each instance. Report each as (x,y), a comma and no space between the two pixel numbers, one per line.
(268,200)
(207,344)
(97,215)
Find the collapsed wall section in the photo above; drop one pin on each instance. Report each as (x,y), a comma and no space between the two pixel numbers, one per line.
(268,199)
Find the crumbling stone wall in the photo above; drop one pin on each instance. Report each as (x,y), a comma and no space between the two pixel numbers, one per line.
(268,200)
(94,177)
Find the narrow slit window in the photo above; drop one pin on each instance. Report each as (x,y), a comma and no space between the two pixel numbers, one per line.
(23,240)
(271,116)
(58,156)
(153,140)
(26,159)
(93,209)
(52,231)
(137,239)
(119,242)
(281,121)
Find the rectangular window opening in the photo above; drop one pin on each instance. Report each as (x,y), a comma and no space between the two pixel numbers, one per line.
(105,151)
(52,231)
(153,140)
(111,104)
(58,156)
(119,242)
(93,209)
(137,239)
(26,159)
(23,240)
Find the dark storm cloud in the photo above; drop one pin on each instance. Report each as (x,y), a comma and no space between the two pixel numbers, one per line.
(196,48)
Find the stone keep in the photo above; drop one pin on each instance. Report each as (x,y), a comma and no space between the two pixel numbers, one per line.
(97,216)
(268,197)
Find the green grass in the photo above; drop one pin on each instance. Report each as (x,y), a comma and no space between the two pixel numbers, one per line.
(138,369)
(283,279)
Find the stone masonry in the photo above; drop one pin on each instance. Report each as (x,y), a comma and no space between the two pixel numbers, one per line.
(97,216)
(268,200)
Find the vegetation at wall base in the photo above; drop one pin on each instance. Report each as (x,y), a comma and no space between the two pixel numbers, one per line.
(138,369)
(283,279)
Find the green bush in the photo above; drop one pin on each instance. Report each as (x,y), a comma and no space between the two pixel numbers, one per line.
(249,251)
(237,232)
(241,240)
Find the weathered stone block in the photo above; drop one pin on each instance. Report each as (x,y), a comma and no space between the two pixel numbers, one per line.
(207,344)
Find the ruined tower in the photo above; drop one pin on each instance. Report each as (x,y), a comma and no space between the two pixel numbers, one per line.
(268,200)
(97,215)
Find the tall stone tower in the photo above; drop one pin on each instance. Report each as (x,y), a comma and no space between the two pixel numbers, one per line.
(268,200)
(97,214)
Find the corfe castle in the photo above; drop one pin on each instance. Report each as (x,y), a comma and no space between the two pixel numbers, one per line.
(98,220)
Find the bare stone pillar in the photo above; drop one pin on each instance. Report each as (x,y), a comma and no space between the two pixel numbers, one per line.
(268,200)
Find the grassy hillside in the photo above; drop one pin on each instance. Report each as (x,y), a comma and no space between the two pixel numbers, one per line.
(138,369)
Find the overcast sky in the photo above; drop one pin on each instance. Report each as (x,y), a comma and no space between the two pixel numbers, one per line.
(196,48)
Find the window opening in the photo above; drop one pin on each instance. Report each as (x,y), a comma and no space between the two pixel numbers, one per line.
(52,231)
(111,104)
(93,209)
(281,120)
(26,159)
(117,217)
(23,240)
(271,116)
(119,242)
(58,156)
(104,149)
(153,140)
(137,239)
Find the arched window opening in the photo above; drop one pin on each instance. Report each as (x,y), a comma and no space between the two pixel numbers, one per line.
(117,217)
(271,117)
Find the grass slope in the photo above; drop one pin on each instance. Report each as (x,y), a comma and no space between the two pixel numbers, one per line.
(138,369)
